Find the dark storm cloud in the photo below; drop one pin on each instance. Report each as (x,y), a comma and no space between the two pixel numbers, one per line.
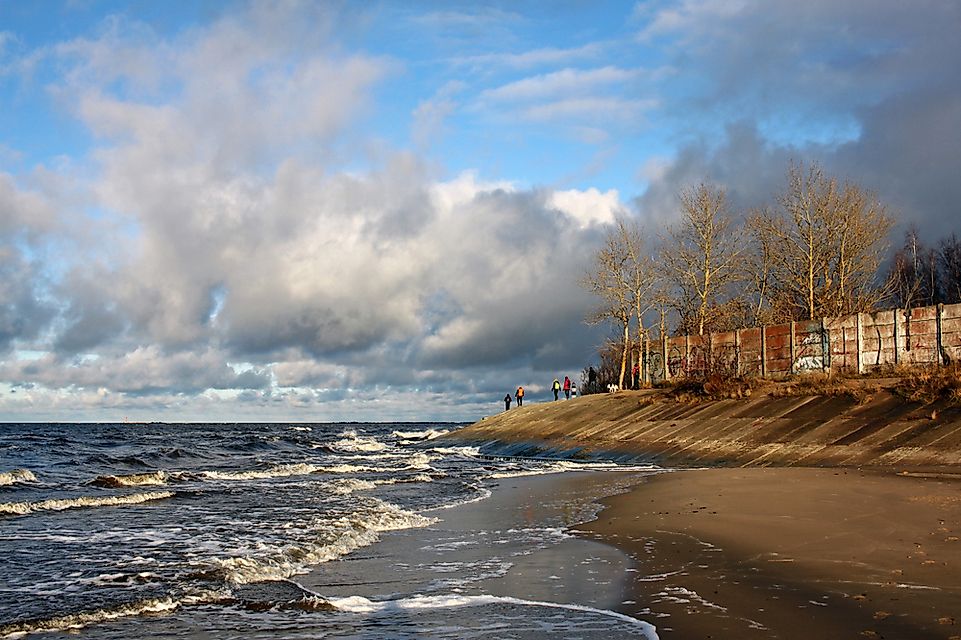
(869,90)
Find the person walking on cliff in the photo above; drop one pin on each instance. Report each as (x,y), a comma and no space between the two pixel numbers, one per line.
(519,395)
(507,402)
(567,388)
(556,387)
(591,379)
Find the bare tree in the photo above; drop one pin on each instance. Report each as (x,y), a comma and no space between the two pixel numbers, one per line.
(758,270)
(622,276)
(913,278)
(825,242)
(949,267)
(700,258)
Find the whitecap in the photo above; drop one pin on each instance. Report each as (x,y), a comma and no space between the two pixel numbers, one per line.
(345,534)
(23,508)
(86,618)
(353,443)
(359,604)
(132,480)
(285,471)
(16,476)
(429,434)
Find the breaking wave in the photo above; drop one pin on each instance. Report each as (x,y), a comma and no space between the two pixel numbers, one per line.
(353,443)
(428,434)
(131,480)
(359,604)
(16,476)
(284,471)
(339,538)
(23,508)
(79,620)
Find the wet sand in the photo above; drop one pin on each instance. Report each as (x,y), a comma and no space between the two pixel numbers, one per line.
(791,553)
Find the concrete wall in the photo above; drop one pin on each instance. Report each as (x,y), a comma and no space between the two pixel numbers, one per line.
(856,343)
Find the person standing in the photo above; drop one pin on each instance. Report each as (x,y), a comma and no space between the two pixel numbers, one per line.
(567,388)
(591,379)
(556,387)
(519,396)
(507,402)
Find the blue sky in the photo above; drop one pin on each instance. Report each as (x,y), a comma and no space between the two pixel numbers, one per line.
(329,211)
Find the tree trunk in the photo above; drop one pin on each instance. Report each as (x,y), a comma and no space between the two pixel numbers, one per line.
(627,346)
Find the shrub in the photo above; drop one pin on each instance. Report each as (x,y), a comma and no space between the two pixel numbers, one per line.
(928,384)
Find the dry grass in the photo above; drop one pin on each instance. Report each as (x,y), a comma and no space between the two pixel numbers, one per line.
(822,384)
(928,384)
(714,387)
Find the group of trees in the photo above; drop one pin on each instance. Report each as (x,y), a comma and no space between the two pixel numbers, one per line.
(922,276)
(815,252)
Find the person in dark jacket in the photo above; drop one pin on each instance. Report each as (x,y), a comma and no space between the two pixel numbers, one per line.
(507,402)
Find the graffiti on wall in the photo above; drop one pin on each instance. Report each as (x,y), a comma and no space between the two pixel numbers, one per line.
(810,352)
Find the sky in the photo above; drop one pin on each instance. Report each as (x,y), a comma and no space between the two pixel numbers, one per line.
(359,211)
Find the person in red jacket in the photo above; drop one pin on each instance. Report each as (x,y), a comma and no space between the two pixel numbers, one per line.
(567,388)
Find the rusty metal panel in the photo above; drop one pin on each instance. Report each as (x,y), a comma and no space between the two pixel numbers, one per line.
(778,342)
(750,351)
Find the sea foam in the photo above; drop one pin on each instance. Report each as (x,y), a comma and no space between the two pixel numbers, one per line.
(131,480)
(343,535)
(359,604)
(83,619)
(16,477)
(23,508)
(429,434)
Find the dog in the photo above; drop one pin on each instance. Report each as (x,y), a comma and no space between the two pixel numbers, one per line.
(613,388)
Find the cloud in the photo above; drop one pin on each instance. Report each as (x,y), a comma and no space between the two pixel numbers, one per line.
(865,89)
(561,83)
(429,116)
(545,56)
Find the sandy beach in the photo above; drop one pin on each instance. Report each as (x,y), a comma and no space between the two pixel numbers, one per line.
(791,553)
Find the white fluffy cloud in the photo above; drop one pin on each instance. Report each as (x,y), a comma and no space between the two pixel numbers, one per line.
(235,251)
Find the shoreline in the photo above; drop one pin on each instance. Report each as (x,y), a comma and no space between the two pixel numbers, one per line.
(514,551)
(790,553)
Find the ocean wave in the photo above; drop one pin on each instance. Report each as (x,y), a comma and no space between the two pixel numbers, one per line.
(279,471)
(347,486)
(428,434)
(483,494)
(131,480)
(86,618)
(16,476)
(562,466)
(353,443)
(359,604)
(467,452)
(23,508)
(284,471)
(344,535)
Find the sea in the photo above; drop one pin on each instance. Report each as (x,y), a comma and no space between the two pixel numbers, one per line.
(293,531)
